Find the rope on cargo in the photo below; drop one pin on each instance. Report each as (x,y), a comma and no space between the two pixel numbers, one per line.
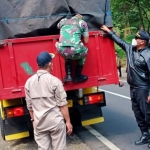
(7,20)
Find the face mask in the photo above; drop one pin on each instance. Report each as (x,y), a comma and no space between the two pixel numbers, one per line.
(134,42)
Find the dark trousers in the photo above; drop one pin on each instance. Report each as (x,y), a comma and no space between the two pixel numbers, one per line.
(119,69)
(141,108)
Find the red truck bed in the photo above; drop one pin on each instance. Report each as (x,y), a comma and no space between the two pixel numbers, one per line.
(18,63)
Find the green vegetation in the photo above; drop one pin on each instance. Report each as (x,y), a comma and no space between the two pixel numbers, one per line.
(128,17)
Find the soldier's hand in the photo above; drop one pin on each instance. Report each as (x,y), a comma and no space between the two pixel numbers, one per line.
(148,99)
(69,128)
(105,28)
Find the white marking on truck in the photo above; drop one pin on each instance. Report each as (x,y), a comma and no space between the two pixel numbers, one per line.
(101,138)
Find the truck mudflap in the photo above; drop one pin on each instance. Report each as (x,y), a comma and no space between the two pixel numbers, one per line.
(86,110)
(14,124)
(86,115)
(91,115)
(14,128)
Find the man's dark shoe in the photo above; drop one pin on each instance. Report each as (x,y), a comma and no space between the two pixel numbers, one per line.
(144,139)
(78,76)
(68,68)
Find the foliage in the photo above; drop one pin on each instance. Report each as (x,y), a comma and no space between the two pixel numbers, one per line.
(131,13)
(128,17)
(120,52)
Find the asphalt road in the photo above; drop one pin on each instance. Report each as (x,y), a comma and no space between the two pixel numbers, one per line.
(73,143)
(119,127)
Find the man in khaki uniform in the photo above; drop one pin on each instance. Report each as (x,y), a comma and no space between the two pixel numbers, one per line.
(47,105)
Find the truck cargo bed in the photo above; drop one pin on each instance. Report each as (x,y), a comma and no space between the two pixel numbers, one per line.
(18,63)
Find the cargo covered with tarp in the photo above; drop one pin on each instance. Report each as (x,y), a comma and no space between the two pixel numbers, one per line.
(30,18)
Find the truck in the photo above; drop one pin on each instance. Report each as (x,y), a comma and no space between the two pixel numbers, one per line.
(18,52)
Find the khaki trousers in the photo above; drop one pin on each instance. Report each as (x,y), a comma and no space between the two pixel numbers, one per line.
(55,139)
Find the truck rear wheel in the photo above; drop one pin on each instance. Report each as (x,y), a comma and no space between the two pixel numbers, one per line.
(2,128)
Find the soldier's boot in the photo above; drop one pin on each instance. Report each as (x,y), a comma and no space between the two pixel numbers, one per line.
(68,68)
(144,139)
(78,76)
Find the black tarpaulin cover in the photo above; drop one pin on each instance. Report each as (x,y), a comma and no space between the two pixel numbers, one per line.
(28,18)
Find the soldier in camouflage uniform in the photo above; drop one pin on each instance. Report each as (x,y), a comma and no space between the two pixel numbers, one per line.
(70,46)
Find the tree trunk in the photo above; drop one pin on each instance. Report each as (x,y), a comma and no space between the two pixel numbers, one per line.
(140,13)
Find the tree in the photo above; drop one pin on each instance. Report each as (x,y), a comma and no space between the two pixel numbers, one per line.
(128,17)
(131,13)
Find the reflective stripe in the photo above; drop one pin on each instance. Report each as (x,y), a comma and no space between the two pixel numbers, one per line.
(92,121)
(17,136)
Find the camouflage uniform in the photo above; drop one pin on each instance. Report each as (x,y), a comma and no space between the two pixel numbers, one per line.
(70,45)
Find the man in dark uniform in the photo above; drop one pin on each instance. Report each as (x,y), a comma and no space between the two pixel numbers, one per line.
(138,77)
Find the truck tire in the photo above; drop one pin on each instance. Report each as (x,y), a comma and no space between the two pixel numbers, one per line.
(2,128)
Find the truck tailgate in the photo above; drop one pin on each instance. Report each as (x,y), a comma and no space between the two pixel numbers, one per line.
(18,63)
